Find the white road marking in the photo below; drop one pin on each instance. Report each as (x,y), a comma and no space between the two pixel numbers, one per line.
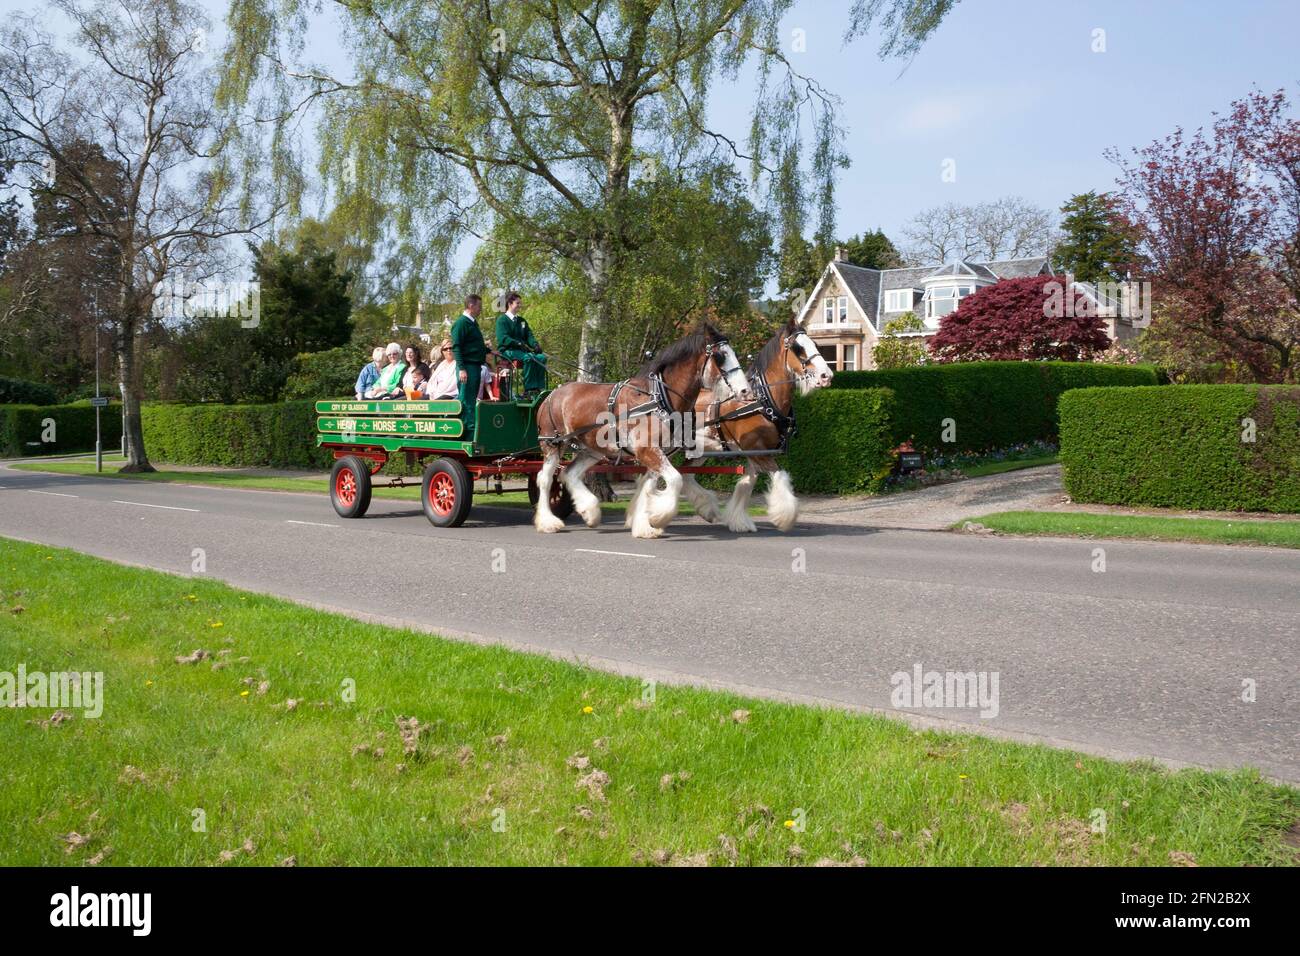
(145,504)
(315,524)
(626,554)
(56,494)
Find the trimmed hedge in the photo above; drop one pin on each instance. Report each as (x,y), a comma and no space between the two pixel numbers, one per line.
(844,441)
(1182,446)
(282,435)
(843,444)
(22,429)
(329,374)
(993,404)
(17,391)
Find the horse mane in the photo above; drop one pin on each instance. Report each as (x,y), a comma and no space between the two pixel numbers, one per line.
(772,346)
(669,355)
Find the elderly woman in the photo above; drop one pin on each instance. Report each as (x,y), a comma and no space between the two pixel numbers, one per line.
(443,383)
(370,374)
(389,384)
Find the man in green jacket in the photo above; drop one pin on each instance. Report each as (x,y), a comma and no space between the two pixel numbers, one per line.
(470,351)
(515,340)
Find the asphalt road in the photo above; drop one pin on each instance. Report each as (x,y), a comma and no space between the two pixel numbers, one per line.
(1147,658)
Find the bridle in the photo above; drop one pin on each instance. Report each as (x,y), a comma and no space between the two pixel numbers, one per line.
(763,403)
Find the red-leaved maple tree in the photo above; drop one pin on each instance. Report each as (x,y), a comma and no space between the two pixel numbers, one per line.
(1035,317)
(1217,214)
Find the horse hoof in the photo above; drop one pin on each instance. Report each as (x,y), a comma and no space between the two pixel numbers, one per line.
(784,523)
(549,525)
(742,524)
(591,517)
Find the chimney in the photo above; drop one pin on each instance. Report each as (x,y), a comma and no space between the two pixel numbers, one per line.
(839,253)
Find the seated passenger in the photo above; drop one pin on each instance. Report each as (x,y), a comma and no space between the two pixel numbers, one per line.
(413,361)
(488,389)
(389,384)
(370,374)
(443,383)
(418,389)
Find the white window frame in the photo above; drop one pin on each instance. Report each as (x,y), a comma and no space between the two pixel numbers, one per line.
(898,300)
(930,299)
(842,309)
(850,363)
(828,309)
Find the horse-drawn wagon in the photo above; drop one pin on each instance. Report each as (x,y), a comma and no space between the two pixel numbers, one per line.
(364,435)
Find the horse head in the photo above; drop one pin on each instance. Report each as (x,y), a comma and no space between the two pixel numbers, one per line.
(802,360)
(702,360)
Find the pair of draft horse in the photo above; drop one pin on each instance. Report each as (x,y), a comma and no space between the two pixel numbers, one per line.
(734,410)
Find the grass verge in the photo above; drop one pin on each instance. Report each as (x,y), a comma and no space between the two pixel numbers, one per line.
(1279,534)
(998,467)
(519,759)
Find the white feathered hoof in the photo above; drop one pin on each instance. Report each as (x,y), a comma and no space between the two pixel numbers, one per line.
(739,521)
(641,528)
(548,524)
(661,509)
(707,506)
(591,515)
(782,505)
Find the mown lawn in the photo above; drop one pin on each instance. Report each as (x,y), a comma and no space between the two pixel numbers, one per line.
(522,759)
(1281,534)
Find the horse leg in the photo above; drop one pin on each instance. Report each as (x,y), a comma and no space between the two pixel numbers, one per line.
(782,505)
(637,495)
(545,520)
(584,502)
(639,508)
(704,501)
(661,506)
(737,511)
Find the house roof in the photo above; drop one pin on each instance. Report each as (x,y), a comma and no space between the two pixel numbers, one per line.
(868,286)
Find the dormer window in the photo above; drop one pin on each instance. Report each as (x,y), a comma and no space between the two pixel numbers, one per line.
(898,300)
(828,309)
(842,308)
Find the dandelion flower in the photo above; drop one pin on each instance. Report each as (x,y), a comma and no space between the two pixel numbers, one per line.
(243,693)
(588,709)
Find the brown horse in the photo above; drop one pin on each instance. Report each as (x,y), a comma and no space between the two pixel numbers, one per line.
(635,419)
(788,361)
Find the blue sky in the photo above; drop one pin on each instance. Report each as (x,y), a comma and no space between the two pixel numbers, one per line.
(1010,90)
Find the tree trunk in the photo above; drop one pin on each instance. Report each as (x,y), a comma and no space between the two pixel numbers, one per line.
(130,387)
(590,352)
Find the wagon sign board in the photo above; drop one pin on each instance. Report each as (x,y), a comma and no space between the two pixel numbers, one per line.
(444,407)
(434,427)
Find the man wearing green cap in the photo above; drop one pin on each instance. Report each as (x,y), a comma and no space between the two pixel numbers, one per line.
(470,351)
(515,340)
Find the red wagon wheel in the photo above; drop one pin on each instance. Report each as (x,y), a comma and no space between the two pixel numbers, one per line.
(350,487)
(447,493)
